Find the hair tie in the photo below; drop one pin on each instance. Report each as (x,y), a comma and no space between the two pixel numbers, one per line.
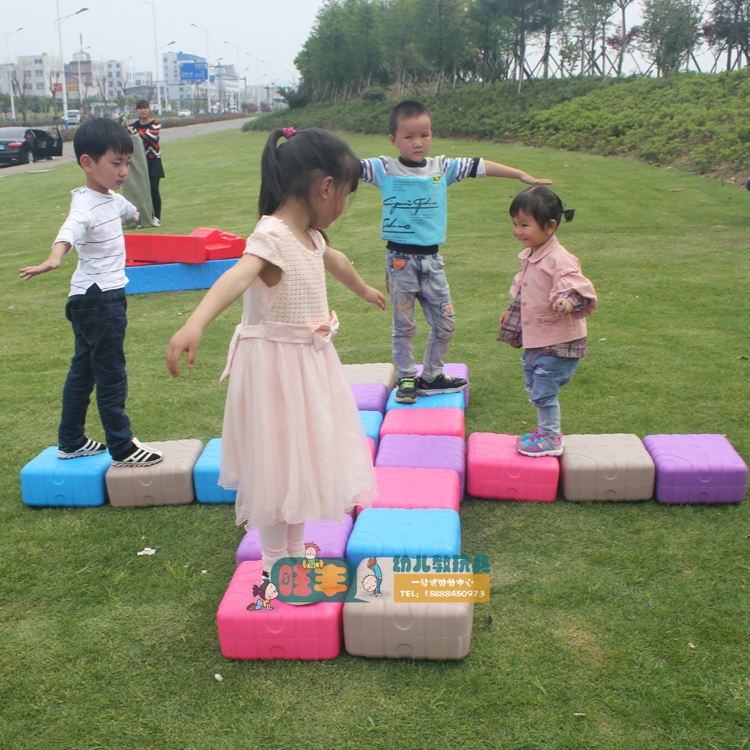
(289,132)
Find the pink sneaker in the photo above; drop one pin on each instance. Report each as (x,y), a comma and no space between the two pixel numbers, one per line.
(536,444)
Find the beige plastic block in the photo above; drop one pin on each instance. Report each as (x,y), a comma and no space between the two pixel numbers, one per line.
(613,468)
(378,627)
(169,482)
(380,372)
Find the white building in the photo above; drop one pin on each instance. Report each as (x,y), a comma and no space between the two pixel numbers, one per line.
(37,74)
(119,77)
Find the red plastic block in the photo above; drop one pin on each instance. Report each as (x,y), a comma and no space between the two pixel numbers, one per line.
(220,245)
(164,248)
(403,487)
(495,469)
(440,421)
(312,632)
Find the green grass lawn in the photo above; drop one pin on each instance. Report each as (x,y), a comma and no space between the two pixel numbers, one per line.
(618,626)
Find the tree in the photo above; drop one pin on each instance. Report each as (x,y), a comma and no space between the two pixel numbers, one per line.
(669,33)
(730,30)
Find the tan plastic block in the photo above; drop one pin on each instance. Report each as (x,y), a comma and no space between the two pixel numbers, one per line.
(612,468)
(380,628)
(380,372)
(170,482)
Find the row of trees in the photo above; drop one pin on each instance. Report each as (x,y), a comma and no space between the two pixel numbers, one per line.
(413,45)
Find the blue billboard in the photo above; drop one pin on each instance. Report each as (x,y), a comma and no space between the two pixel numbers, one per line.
(193,72)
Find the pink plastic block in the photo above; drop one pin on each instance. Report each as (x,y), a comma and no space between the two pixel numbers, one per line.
(370,396)
(373,449)
(403,487)
(697,469)
(330,537)
(310,632)
(455,370)
(424,452)
(424,422)
(495,469)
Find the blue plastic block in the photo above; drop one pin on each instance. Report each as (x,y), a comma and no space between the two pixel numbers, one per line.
(172,277)
(206,476)
(439,401)
(388,532)
(372,421)
(65,482)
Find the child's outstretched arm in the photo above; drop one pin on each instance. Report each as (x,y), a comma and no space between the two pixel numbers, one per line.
(59,250)
(229,287)
(493,169)
(343,270)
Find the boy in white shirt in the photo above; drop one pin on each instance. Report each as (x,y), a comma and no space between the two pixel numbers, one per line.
(97,304)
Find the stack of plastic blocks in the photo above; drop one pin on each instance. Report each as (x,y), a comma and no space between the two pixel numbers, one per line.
(170,482)
(50,481)
(331,538)
(206,476)
(379,627)
(697,469)
(279,631)
(497,470)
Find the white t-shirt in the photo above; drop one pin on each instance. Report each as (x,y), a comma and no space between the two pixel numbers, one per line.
(94,228)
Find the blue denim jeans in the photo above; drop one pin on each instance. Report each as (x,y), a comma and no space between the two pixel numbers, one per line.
(419,277)
(544,376)
(99,320)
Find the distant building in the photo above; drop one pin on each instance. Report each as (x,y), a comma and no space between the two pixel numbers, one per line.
(34,74)
(118,77)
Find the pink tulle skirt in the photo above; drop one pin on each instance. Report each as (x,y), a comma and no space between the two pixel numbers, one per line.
(293,444)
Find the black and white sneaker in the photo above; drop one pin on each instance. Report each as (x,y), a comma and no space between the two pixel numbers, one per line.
(89,448)
(407,390)
(140,455)
(441,384)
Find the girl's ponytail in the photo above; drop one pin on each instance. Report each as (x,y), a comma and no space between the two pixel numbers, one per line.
(271,188)
(569,213)
(543,204)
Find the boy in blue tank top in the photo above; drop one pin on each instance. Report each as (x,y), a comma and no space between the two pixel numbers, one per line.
(415,210)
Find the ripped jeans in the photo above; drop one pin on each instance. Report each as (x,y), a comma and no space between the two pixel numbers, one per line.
(419,277)
(544,376)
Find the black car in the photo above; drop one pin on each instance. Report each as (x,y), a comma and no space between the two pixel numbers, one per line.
(24,145)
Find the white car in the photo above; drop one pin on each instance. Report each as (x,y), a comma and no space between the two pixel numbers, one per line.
(184,113)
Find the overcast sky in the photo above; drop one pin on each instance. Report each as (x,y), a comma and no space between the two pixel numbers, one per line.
(273,31)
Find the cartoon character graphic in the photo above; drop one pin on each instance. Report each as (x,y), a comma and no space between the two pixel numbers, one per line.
(266,593)
(371,582)
(311,552)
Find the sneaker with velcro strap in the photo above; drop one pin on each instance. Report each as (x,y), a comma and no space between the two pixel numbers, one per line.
(139,455)
(441,384)
(89,448)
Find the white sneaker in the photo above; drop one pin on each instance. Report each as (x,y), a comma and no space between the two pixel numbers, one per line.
(155,222)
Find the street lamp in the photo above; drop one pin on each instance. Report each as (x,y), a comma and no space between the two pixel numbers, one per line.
(58,24)
(257,76)
(80,55)
(10,80)
(158,87)
(236,70)
(208,70)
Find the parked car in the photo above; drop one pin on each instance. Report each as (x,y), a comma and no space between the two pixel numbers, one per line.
(74,117)
(184,113)
(23,145)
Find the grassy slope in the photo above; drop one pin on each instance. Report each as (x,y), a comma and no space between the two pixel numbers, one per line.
(593,606)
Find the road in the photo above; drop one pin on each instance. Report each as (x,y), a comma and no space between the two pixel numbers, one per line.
(167,135)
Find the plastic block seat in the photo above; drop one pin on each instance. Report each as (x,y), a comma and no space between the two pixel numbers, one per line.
(378,627)
(424,452)
(372,421)
(697,469)
(424,422)
(172,277)
(495,469)
(330,537)
(370,396)
(309,632)
(614,468)
(206,476)
(388,532)
(379,372)
(65,482)
(403,487)
(439,401)
(455,370)
(169,482)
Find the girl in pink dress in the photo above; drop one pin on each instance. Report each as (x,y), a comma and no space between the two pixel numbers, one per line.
(293,445)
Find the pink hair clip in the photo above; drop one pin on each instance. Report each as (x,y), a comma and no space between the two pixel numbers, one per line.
(289,132)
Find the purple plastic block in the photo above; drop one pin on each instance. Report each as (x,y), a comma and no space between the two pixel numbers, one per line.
(370,396)
(697,469)
(314,631)
(424,452)
(330,537)
(455,370)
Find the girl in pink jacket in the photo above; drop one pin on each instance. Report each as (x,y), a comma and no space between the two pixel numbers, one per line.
(551,299)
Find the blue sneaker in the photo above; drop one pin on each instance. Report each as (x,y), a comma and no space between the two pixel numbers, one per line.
(540,445)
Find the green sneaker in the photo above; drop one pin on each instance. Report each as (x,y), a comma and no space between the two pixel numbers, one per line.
(407,390)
